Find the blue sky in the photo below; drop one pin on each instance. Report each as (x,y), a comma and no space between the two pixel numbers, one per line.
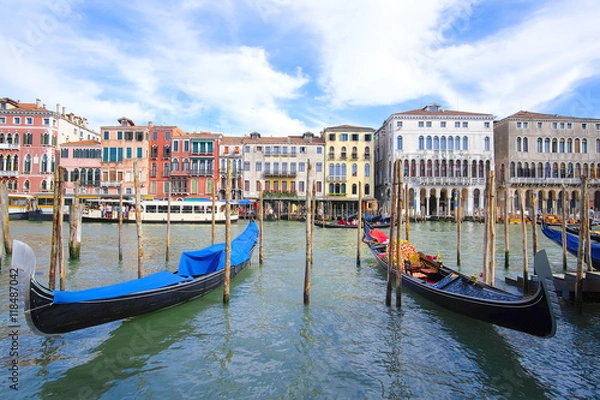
(284,67)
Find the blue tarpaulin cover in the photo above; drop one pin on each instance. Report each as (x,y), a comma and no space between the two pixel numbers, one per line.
(191,264)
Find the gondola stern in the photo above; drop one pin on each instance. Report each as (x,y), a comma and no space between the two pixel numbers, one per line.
(24,265)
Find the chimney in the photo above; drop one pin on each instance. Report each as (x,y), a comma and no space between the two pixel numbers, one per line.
(38,102)
(58,108)
(64,110)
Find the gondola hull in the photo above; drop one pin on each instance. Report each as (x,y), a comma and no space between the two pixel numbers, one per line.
(573,244)
(533,315)
(49,318)
(46,313)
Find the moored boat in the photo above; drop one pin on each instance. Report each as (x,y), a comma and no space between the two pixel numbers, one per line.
(53,311)
(157,211)
(20,205)
(428,277)
(572,244)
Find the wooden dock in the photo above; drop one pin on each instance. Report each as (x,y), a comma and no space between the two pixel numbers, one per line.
(565,285)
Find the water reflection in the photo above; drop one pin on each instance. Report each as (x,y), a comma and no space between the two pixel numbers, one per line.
(267,344)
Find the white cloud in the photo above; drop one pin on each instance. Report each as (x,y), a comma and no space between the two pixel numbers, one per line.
(282,67)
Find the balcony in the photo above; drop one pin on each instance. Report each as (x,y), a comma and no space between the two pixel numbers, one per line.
(202,172)
(336,178)
(9,174)
(110,183)
(9,146)
(279,174)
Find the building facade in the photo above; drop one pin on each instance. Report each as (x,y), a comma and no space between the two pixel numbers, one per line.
(546,155)
(280,165)
(443,153)
(81,161)
(122,146)
(230,150)
(30,137)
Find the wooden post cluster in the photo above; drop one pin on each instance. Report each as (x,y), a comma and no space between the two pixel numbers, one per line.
(524,230)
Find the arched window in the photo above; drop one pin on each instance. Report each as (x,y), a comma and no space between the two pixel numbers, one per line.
(436,143)
(465,143)
(486,144)
(27,164)
(399,142)
(429,143)
(450,143)
(44,164)
(443,143)
(354,169)
(367,172)
(422,144)
(175,166)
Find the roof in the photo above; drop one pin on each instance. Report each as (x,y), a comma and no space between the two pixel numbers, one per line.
(521,115)
(426,111)
(348,128)
(82,143)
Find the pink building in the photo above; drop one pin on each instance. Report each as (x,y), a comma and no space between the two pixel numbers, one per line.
(30,136)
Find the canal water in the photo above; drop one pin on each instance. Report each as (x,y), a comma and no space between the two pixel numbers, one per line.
(266,344)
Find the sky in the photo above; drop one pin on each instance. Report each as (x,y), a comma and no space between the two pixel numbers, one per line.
(285,67)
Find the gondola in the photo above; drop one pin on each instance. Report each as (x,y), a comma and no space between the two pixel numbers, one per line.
(428,277)
(52,311)
(594,234)
(572,244)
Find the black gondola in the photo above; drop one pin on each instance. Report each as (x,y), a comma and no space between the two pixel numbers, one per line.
(52,311)
(572,244)
(464,295)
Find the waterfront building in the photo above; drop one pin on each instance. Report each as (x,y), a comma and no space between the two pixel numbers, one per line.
(204,163)
(164,167)
(30,135)
(546,155)
(122,145)
(230,149)
(349,164)
(280,165)
(81,161)
(442,152)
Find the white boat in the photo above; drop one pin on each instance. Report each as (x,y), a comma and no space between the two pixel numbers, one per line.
(20,205)
(189,211)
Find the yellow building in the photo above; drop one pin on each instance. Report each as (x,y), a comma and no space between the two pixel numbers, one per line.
(348,161)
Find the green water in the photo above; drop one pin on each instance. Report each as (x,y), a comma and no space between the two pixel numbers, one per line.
(267,344)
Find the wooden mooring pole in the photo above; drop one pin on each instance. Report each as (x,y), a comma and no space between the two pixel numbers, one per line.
(121,221)
(492,228)
(138,219)
(564,227)
(399,260)
(227,280)
(309,231)
(532,213)
(75,225)
(168,249)
(213,234)
(391,245)
(261,216)
(458,215)
(360,222)
(6,245)
(581,253)
(506,226)
(55,234)
(524,230)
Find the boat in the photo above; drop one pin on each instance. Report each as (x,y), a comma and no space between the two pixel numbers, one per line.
(20,205)
(53,311)
(157,211)
(351,221)
(427,276)
(572,243)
